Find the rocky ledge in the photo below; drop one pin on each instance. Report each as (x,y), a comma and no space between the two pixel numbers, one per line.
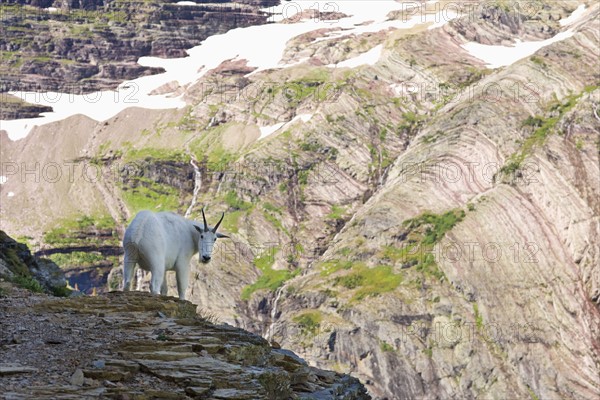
(139,346)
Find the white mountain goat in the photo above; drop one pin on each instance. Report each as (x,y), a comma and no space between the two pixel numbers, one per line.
(164,241)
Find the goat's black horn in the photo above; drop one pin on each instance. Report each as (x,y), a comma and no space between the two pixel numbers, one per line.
(204,219)
(218,223)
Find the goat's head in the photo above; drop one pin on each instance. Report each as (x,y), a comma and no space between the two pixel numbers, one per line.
(207,239)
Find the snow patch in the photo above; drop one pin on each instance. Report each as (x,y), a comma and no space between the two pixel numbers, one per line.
(187,3)
(575,15)
(501,56)
(10,194)
(3,180)
(367,58)
(99,106)
(269,130)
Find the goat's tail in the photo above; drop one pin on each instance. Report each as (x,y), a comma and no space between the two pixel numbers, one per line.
(129,261)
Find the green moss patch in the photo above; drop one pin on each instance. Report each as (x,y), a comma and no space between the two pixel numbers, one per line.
(369,282)
(422,233)
(270,279)
(149,195)
(309,322)
(82,230)
(150,153)
(543,126)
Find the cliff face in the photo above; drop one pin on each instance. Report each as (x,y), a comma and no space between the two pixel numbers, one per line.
(126,345)
(424,223)
(17,264)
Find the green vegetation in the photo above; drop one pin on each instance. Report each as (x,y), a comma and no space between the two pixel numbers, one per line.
(369,282)
(275,222)
(435,225)
(412,123)
(61,291)
(315,86)
(473,75)
(478,317)
(423,232)
(162,337)
(270,207)
(311,145)
(26,240)
(236,209)
(149,195)
(309,322)
(532,394)
(432,137)
(12,259)
(13,60)
(270,279)
(543,127)
(66,231)
(231,221)
(386,347)
(336,213)
(77,259)
(28,282)
(209,148)
(219,158)
(149,153)
(187,123)
(303,176)
(331,266)
(235,203)
(538,60)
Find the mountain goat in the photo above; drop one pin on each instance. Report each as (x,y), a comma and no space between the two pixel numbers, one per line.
(164,241)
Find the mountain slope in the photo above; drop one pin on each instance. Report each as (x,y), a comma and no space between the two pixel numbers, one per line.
(425,223)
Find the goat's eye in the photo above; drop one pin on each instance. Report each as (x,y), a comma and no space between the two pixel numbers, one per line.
(201,236)
(215,239)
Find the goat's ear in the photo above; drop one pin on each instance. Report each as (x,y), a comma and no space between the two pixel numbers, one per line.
(198,228)
(220,235)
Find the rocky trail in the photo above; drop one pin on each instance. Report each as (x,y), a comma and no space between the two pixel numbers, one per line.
(135,345)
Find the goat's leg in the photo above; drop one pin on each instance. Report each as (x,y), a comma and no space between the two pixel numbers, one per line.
(183,278)
(129,262)
(158,276)
(164,287)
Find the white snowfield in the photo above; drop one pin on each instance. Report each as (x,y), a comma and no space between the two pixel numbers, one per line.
(262,46)
(367,58)
(270,129)
(502,56)
(574,17)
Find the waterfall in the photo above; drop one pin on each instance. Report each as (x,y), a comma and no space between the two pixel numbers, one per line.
(197,185)
(269,333)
